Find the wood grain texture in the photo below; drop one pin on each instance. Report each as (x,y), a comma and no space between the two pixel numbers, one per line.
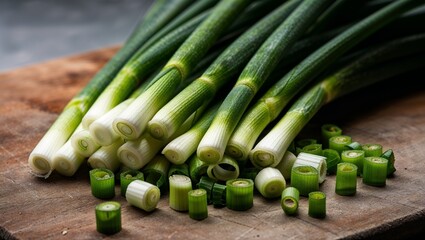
(62,207)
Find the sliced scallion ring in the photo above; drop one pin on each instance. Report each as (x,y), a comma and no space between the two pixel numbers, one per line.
(127,177)
(346,179)
(239,194)
(270,182)
(289,200)
(224,170)
(375,171)
(102,182)
(198,207)
(180,186)
(317,204)
(305,179)
(108,217)
(143,195)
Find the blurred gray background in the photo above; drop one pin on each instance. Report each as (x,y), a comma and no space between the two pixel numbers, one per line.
(32,31)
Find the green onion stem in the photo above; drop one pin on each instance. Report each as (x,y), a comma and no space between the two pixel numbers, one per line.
(180,186)
(143,195)
(66,160)
(102,182)
(108,217)
(270,182)
(305,179)
(127,177)
(289,200)
(317,204)
(346,179)
(218,195)
(258,69)
(156,172)
(276,98)
(375,171)
(198,207)
(106,157)
(239,194)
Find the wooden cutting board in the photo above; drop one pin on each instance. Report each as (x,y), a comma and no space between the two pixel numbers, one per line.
(62,207)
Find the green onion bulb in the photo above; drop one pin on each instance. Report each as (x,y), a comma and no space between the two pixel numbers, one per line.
(224,170)
(108,217)
(375,171)
(355,157)
(317,204)
(346,179)
(270,182)
(143,195)
(332,160)
(198,207)
(339,143)
(239,194)
(372,150)
(328,131)
(127,177)
(289,200)
(180,186)
(102,182)
(305,179)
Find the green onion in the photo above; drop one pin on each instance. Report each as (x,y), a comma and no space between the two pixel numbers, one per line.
(389,155)
(328,131)
(156,172)
(317,204)
(355,157)
(207,184)
(316,161)
(127,177)
(372,150)
(332,160)
(249,172)
(375,171)
(83,143)
(305,179)
(212,146)
(180,186)
(224,170)
(226,66)
(239,194)
(315,149)
(270,182)
(40,159)
(108,217)
(102,182)
(271,148)
(346,179)
(218,195)
(66,160)
(198,207)
(181,169)
(197,169)
(289,200)
(339,143)
(305,142)
(131,123)
(286,164)
(354,146)
(143,195)
(106,157)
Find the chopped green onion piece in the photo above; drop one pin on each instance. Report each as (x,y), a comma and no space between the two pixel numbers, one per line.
(355,146)
(375,171)
(102,182)
(224,170)
(143,195)
(355,157)
(108,217)
(339,143)
(180,186)
(289,200)
(249,173)
(346,179)
(305,142)
(305,179)
(332,160)
(239,194)
(317,204)
(181,169)
(156,172)
(127,177)
(197,169)
(372,150)
(106,157)
(270,182)
(315,149)
(316,161)
(328,131)
(207,184)
(286,164)
(218,195)
(389,155)
(198,207)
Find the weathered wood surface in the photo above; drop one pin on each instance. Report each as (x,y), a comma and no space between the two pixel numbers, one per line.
(62,207)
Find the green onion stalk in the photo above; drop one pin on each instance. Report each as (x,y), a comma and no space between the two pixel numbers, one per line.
(83,142)
(286,164)
(126,177)
(227,66)
(106,157)
(132,122)
(212,146)
(66,160)
(40,159)
(277,97)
